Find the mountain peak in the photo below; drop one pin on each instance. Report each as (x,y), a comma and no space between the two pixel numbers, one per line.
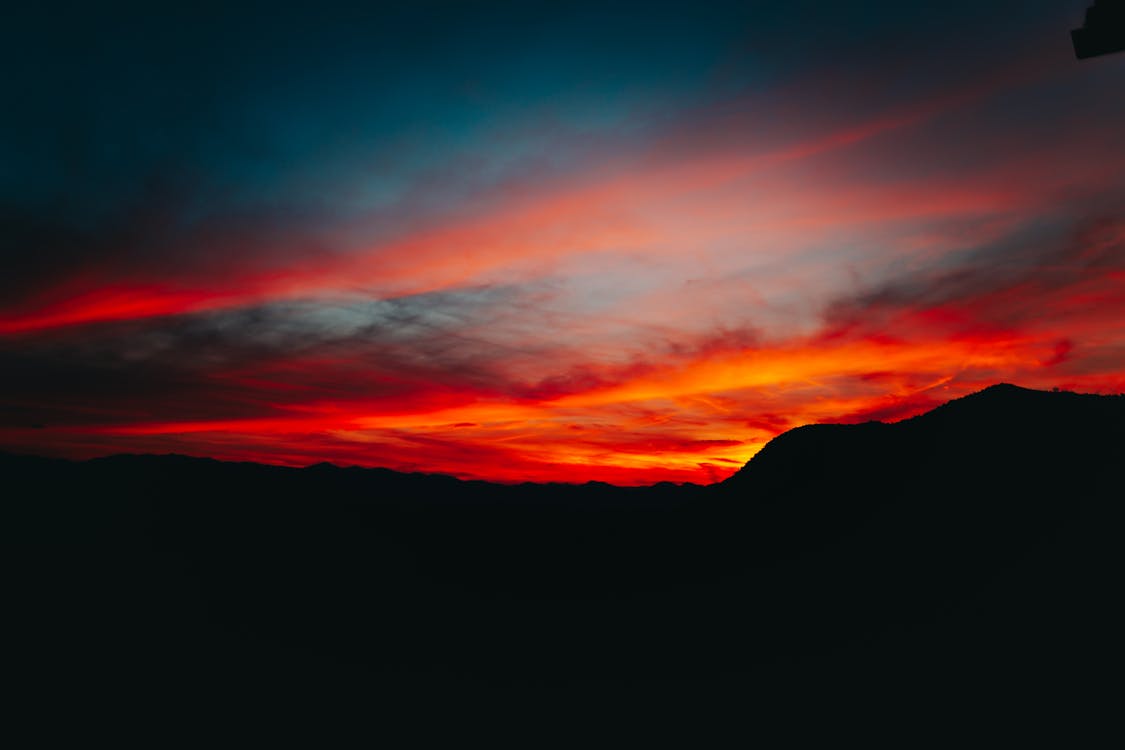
(995,430)
(1005,388)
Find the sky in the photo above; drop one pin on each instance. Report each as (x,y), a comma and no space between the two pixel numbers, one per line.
(624,242)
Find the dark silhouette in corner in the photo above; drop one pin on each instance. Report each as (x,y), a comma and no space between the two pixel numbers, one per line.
(1103,32)
(971,551)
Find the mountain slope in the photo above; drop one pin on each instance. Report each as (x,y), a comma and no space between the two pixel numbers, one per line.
(1003,434)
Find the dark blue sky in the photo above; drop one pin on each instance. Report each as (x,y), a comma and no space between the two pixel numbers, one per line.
(273,102)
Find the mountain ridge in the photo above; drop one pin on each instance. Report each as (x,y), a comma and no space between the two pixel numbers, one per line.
(975,422)
(997,398)
(947,554)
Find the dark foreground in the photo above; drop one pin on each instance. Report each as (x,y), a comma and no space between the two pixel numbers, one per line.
(964,562)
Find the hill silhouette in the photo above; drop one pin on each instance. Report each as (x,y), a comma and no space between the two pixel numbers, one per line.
(972,550)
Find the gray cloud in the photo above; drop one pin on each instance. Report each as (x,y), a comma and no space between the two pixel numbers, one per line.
(214,365)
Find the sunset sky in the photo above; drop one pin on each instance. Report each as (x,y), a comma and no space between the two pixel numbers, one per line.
(550,242)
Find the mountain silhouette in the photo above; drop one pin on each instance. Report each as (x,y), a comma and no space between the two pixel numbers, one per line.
(972,550)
